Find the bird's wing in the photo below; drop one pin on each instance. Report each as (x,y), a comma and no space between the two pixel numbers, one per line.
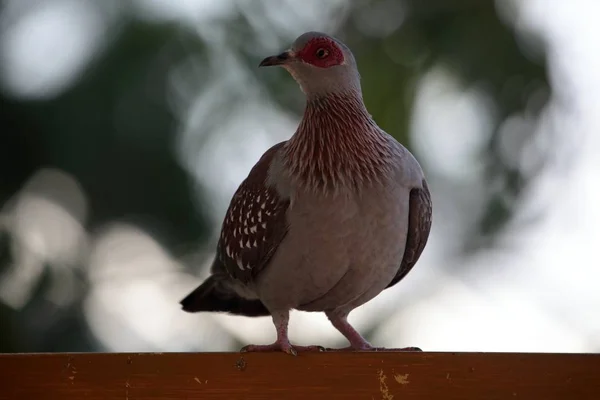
(255,223)
(419,225)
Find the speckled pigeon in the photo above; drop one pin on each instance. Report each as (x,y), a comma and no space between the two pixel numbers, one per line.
(326,220)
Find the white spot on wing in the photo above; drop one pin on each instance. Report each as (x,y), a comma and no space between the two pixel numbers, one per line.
(253,229)
(239,263)
(259,216)
(264,225)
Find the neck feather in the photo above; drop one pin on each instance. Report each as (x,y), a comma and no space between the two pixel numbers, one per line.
(337,145)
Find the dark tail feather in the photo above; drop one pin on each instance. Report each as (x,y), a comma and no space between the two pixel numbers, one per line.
(214,296)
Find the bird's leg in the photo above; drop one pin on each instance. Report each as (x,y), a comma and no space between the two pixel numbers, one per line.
(280,320)
(357,342)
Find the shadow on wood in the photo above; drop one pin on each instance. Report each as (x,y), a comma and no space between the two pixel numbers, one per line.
(133,376)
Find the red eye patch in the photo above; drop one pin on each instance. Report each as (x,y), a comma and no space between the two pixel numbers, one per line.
(322,52)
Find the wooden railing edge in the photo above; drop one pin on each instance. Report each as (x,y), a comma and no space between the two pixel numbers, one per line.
(368,375)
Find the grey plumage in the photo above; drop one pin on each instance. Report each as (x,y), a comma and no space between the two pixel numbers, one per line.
(325,221)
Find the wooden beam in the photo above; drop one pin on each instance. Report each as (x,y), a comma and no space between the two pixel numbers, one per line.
(384,375)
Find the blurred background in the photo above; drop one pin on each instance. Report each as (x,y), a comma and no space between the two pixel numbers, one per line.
(126,126)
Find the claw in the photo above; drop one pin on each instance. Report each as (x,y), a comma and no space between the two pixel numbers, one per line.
(283,347)
(368,349)
(408,349)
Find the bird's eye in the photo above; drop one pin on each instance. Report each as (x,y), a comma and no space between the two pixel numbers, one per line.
(322,53)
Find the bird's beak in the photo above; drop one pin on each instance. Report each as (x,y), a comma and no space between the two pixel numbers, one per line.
(280,59)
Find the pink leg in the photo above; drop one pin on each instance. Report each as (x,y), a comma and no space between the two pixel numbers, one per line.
(357,342)
(280,320)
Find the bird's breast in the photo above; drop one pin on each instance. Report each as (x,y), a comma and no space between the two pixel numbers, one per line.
(339,246)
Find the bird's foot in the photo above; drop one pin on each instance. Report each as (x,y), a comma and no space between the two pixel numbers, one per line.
(371,348)
(286,347)
(396,349)
(357,342)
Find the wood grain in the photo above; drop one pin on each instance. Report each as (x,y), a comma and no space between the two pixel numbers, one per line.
(388,376)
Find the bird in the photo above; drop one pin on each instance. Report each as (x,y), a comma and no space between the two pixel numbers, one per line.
(326,220)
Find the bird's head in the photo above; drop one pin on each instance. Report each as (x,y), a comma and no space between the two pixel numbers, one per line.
(321,65)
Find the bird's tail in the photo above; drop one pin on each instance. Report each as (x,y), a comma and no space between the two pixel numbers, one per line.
(214,295)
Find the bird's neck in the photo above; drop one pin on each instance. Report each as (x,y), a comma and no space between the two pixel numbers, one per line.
(337,145)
